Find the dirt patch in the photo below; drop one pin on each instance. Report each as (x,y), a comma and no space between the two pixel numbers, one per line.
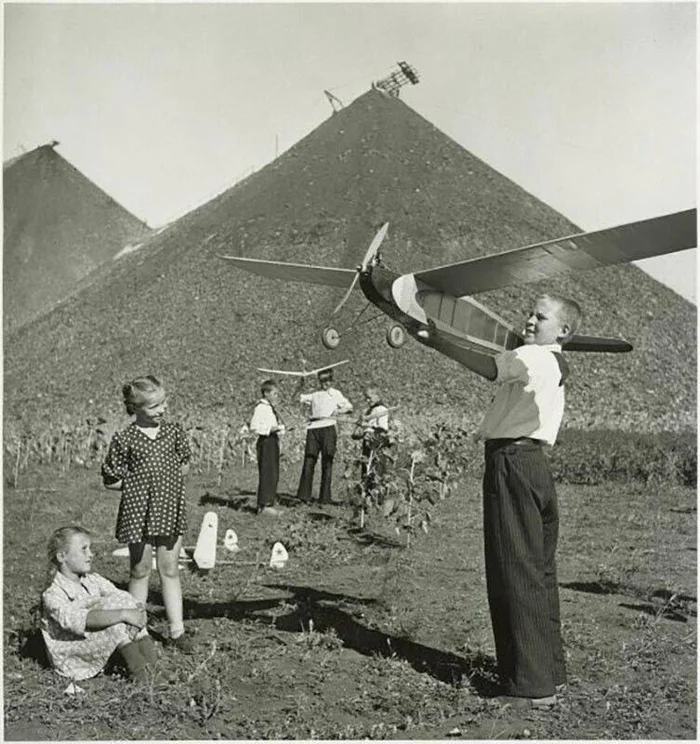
(359,637)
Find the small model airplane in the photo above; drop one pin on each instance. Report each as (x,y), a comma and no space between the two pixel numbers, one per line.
(436,308)
(302,373)
(377,416)
(204,555)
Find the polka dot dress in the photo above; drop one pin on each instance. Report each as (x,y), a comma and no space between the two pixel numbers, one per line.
(153,486)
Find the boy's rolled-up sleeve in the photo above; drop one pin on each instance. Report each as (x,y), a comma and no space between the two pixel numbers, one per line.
(510,367)
(343,403)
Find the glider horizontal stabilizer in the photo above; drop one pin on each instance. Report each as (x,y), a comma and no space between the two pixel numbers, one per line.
(614,245)
(597,343)
(292,272)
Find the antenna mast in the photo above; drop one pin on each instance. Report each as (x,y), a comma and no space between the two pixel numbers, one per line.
(402,76)
(335,102)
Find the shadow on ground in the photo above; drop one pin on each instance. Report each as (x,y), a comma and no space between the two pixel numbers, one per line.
(477,669)
(327,611)
(662,602)
(237,502)
(243,500)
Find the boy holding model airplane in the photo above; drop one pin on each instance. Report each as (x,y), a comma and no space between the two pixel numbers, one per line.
(521,519)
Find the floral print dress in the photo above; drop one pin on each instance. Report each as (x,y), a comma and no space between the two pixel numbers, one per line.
(153,485)
(75,651)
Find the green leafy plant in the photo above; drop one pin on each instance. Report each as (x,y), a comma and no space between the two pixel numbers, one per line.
(404,478)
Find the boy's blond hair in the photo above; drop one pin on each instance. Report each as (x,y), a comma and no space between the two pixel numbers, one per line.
(569,314)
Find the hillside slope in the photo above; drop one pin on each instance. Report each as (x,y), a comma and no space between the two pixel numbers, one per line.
(173,308)
(58,226)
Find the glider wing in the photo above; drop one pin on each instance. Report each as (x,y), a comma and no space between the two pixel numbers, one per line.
(614,245)
(292,272)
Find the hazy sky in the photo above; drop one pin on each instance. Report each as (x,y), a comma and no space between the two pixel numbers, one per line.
(590,107)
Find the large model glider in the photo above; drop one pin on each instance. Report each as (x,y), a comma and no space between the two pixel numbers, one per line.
(436,307)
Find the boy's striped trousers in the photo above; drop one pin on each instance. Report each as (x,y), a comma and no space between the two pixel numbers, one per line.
(521,528)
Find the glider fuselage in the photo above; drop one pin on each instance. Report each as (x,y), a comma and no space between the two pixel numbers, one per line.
(436,319)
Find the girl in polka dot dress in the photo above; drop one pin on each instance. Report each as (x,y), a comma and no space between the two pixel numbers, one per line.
(148,462)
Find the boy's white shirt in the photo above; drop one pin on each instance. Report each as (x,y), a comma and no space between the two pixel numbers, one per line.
(322,404)
(264,418)
(378,418)
(529,401)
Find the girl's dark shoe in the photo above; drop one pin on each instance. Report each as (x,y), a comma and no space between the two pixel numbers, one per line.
(183,643)
(134,661)
(148,650)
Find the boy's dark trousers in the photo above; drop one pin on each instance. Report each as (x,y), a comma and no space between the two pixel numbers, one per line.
(373,444)
(521,527)
(318,441)
(268,451)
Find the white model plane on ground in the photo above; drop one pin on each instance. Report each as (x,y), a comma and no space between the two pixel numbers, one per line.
(204,552)
(436,306)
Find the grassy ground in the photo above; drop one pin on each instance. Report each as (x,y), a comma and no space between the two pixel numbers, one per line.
(359,637)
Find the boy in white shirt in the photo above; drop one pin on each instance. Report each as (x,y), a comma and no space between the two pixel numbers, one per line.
(374,428)
(322,408)
(268,425)
(521,520)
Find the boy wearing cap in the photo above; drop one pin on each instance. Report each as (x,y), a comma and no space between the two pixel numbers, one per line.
(321,407)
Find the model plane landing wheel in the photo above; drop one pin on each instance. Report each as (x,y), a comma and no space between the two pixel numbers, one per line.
(330,338)
(396,336)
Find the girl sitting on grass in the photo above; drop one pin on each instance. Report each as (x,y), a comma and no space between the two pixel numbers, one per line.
(147,462)
(85,618)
